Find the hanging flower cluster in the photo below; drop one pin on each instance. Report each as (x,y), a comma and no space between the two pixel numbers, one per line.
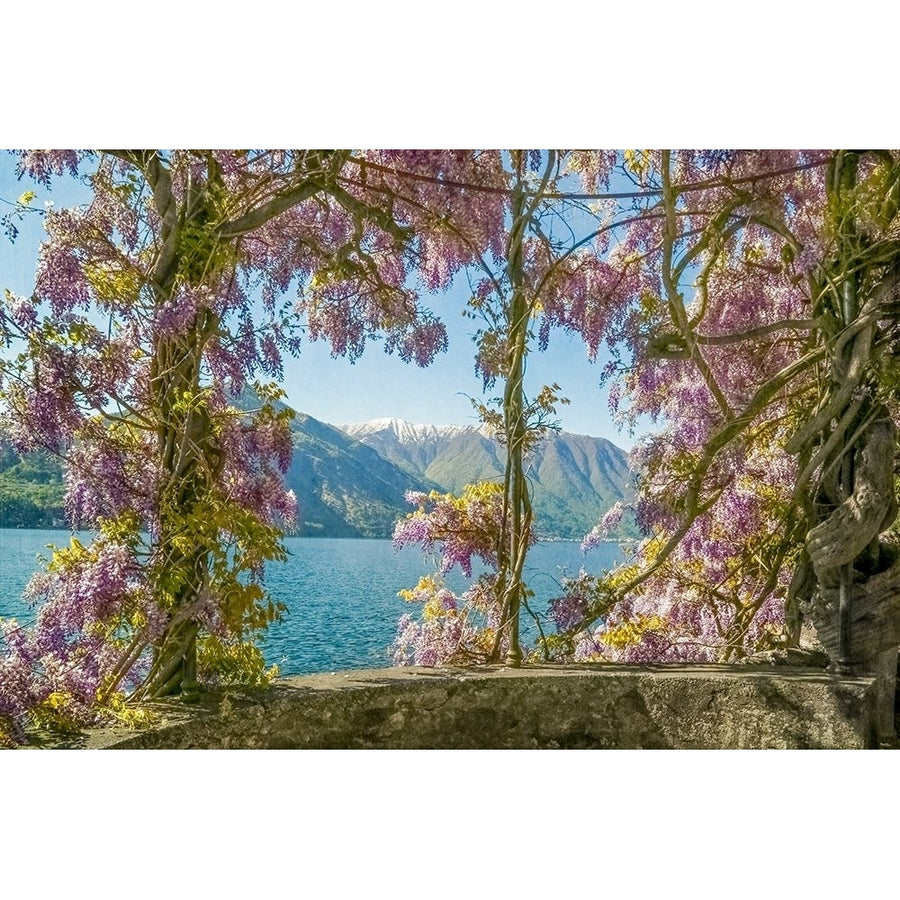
(464,629)
(160,309)
(715,341)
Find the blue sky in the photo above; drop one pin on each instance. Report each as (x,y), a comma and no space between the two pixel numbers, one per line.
(377,385)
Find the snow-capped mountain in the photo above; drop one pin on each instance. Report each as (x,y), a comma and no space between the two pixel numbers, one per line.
(575,478)
(410,446)
(403,431)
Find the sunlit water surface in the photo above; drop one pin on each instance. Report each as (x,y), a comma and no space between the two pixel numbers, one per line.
(341,594)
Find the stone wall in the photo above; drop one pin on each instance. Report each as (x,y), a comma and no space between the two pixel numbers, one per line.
(684,707)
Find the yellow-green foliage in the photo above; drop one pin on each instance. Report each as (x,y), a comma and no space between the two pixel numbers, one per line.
(632,632)
(65,558)
(427,592)
(638,162)
(133,716)
(226,662)
(113,282)
(56,713)
(483,491)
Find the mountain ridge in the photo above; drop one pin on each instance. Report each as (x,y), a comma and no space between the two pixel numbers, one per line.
(350,486)
(574,478)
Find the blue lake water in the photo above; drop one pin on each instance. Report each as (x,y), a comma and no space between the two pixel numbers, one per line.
(341,594)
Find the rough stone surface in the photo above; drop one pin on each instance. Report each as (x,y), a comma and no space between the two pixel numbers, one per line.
(534,707)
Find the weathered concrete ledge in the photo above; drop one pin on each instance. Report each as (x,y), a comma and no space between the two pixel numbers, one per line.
(672,706)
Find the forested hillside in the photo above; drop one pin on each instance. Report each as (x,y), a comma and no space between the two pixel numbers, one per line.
(31,490)
(574,478)
(351,481)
